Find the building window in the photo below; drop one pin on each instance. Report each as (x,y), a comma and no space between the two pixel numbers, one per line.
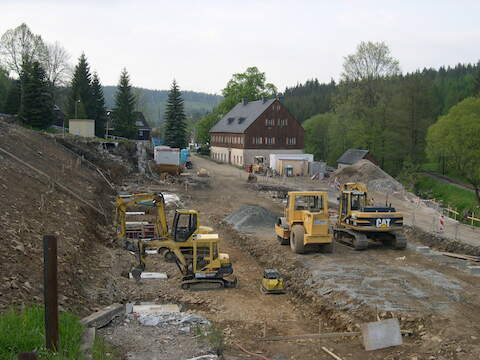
(269,122)
(258,140)
(270,140)
(282,122)
(291,140)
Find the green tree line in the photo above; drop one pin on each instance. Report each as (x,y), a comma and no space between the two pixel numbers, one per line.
(375,107)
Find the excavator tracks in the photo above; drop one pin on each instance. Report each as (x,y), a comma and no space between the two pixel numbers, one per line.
(358,240)
(189,283)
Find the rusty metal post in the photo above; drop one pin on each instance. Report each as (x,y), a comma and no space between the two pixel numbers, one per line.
(27,356)
(50,291)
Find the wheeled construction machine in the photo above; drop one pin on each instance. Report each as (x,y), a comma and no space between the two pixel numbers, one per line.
(306,222)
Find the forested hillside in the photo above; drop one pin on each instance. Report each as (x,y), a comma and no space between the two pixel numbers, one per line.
(152,102)
(389,113)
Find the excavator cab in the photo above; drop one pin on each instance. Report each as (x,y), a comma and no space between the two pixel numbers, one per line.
(184,225)
(359,219)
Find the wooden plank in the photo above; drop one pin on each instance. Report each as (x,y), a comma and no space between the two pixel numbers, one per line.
(309,336)
(336,357)
(461,256)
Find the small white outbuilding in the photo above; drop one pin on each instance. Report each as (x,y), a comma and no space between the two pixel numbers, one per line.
(82,127)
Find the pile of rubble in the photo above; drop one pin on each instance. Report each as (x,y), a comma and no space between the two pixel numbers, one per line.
(368,173)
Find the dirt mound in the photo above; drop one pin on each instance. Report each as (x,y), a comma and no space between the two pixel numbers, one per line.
(34,205)
(250,218)
(368,173)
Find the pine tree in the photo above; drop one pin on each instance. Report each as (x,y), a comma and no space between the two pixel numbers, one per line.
(99,111)
(175,126)
(123,114)
(81,91)
(12,102)
(37,104)
(476,84)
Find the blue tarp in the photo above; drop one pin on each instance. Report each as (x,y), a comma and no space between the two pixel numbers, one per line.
(157,141)
(184,155)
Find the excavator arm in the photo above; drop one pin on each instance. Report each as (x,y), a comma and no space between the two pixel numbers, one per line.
(156,200)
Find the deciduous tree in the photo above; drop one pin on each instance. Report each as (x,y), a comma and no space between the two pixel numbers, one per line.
(250,85)
(19,46)
(57,64)
(455,137)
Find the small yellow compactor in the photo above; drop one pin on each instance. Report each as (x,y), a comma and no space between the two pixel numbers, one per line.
(360,220)
(272,282)
(305,223)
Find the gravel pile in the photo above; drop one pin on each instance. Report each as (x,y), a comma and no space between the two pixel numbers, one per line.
(368,173)
(250,218)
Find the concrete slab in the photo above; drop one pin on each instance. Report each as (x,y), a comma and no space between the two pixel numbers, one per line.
(103,317)
(475,270)
(156,308)
(423,249)
(88,339)
(151,275)
(381,334)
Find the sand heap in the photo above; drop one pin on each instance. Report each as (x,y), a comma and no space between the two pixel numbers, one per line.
(251,218)
(368,173)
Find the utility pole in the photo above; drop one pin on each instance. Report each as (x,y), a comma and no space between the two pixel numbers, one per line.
(76,102)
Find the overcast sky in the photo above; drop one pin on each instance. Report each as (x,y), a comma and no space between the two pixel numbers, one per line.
(202,43)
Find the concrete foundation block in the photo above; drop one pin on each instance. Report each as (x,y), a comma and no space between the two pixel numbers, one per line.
(423,249)
(381,334)
(153,308)
(475,270)
(88,339)
(103,317)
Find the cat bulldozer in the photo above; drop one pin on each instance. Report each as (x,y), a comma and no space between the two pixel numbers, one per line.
(360,220)
(305,223)
(194,248)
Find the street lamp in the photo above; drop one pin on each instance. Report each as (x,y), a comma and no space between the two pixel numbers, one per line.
(108,124)
(76,102)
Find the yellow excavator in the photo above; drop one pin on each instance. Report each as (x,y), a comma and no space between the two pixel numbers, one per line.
(360,220)
(306,222)
(192,247)
(131,231)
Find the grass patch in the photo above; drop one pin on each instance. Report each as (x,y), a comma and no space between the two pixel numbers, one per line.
(435,168)
(213,336)
(449,195)
(102,351)
(25,332)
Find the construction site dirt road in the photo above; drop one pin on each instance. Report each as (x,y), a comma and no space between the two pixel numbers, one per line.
(432,296)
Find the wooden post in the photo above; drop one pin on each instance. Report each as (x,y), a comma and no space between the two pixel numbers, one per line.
(50,288)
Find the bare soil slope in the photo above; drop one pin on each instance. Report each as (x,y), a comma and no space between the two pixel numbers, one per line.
(31,206)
